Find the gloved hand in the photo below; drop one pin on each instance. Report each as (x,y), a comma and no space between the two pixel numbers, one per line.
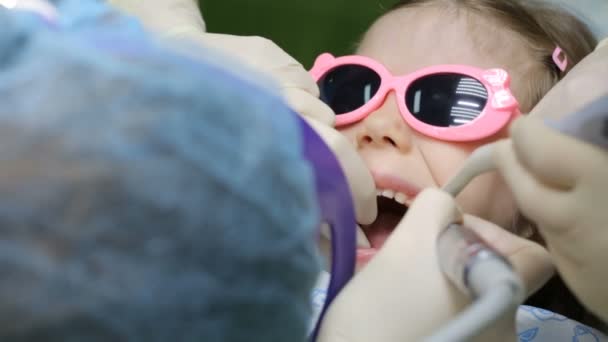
(168,17)
(402,295)
(560,184)
(181,20)
(261,54)
(301,93)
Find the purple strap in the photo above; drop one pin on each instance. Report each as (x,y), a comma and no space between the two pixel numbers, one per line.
(335,202)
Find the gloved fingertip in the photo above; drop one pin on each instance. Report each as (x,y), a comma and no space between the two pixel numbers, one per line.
(362,240)
(309,106)
(367,211)
(363,190)
(434,194)
(439,202)
(516,125)
(523,131)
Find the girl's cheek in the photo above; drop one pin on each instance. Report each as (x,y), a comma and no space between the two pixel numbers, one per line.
(443,159)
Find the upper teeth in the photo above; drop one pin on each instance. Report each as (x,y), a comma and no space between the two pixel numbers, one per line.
(397,196)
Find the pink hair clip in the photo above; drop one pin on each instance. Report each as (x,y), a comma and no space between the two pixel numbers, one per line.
(562,63)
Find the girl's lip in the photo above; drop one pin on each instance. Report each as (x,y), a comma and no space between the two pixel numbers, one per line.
(364,255)
(386,181)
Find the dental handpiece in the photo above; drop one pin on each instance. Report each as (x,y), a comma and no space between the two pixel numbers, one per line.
(482,273)
(473,266)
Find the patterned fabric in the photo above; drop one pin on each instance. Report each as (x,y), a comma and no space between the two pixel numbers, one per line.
(533,324)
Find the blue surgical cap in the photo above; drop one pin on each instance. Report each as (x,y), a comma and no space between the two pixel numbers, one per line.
(145,196)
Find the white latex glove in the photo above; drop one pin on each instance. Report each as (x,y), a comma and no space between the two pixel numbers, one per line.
(181,20)
(301,93)
(260,54)
(402,295)
(562,185)
(167,17)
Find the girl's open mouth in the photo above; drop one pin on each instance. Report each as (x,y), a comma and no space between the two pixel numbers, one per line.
(392,206)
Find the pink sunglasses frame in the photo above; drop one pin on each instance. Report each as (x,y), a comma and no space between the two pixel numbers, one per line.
(501,107)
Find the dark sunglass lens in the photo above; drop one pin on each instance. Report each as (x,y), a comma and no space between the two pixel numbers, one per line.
(446,100)
(348,87)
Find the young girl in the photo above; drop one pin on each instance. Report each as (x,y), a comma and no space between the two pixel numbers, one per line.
(517,37)
(442,50)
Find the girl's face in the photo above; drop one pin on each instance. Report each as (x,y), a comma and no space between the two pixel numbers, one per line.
(406,161)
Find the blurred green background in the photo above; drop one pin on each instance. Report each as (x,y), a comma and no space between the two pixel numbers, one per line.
(302,28)
(307,28)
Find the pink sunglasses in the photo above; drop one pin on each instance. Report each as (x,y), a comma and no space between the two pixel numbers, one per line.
(445,102)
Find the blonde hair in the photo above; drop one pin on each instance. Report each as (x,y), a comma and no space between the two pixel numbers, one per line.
(540,25)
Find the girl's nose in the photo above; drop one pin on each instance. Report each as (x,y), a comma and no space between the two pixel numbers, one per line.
(385,128)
